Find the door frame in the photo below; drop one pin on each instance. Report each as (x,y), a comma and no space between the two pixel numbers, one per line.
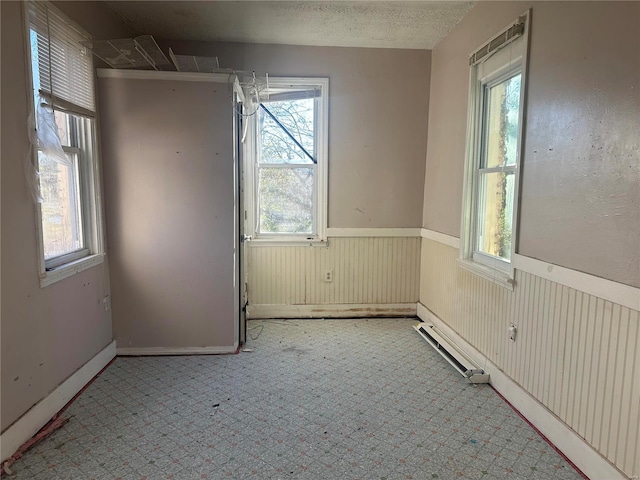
(240,266)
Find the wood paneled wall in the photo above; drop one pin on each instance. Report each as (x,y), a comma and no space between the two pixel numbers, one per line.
(577,354)
(366,270)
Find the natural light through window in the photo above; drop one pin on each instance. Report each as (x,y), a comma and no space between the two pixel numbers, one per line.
(289,161)
(64,154)
(61,207)
(286,181)
(494,145)
(497,169)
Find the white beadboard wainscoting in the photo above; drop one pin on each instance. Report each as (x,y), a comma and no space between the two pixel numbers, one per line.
(367,271)
(575,353)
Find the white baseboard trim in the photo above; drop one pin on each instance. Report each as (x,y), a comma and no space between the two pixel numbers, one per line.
(144,351)
(350,310)
(576,449)
(373,232)
(624,295)
(35,418)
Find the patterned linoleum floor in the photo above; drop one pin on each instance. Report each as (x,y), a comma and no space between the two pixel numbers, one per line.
(316,399)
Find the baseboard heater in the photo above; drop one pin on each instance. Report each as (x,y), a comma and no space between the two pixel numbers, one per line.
(451,353)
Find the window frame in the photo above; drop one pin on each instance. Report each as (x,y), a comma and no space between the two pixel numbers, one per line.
(71,256)
(83,134)
(252,167)
(493,268)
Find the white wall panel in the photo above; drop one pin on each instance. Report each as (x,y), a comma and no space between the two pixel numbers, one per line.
(577,354)
(171,262)
(366,270)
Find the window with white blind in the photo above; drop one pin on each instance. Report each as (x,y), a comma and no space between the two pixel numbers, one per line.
(494,146)
(65,154)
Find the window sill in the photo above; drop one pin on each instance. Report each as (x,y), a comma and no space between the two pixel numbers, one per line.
(499,277)
(287,242)
(69,269)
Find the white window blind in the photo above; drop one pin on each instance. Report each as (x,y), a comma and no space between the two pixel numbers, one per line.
(499,41)
(64,66)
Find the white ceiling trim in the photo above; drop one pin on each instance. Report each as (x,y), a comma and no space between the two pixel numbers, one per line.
(161,75)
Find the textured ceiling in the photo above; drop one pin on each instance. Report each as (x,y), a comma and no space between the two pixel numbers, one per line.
(390,24)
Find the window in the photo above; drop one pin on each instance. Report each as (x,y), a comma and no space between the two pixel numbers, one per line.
(63,96)
(494,145)
(288,174)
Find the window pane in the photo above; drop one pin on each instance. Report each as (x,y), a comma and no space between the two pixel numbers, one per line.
(495,213)
(501,123)
(61,213)
(296,118)
(64,129)
(285,200)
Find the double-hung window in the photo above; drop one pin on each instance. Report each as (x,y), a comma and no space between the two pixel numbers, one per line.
(289,161)
(64,144)
(494,146)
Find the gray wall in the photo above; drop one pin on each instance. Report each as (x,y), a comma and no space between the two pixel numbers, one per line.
(379,101)
(47,333)
(581,168)
(168,175)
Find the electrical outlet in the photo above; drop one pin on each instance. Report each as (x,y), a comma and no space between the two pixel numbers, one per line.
(512,330)
(328,276)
